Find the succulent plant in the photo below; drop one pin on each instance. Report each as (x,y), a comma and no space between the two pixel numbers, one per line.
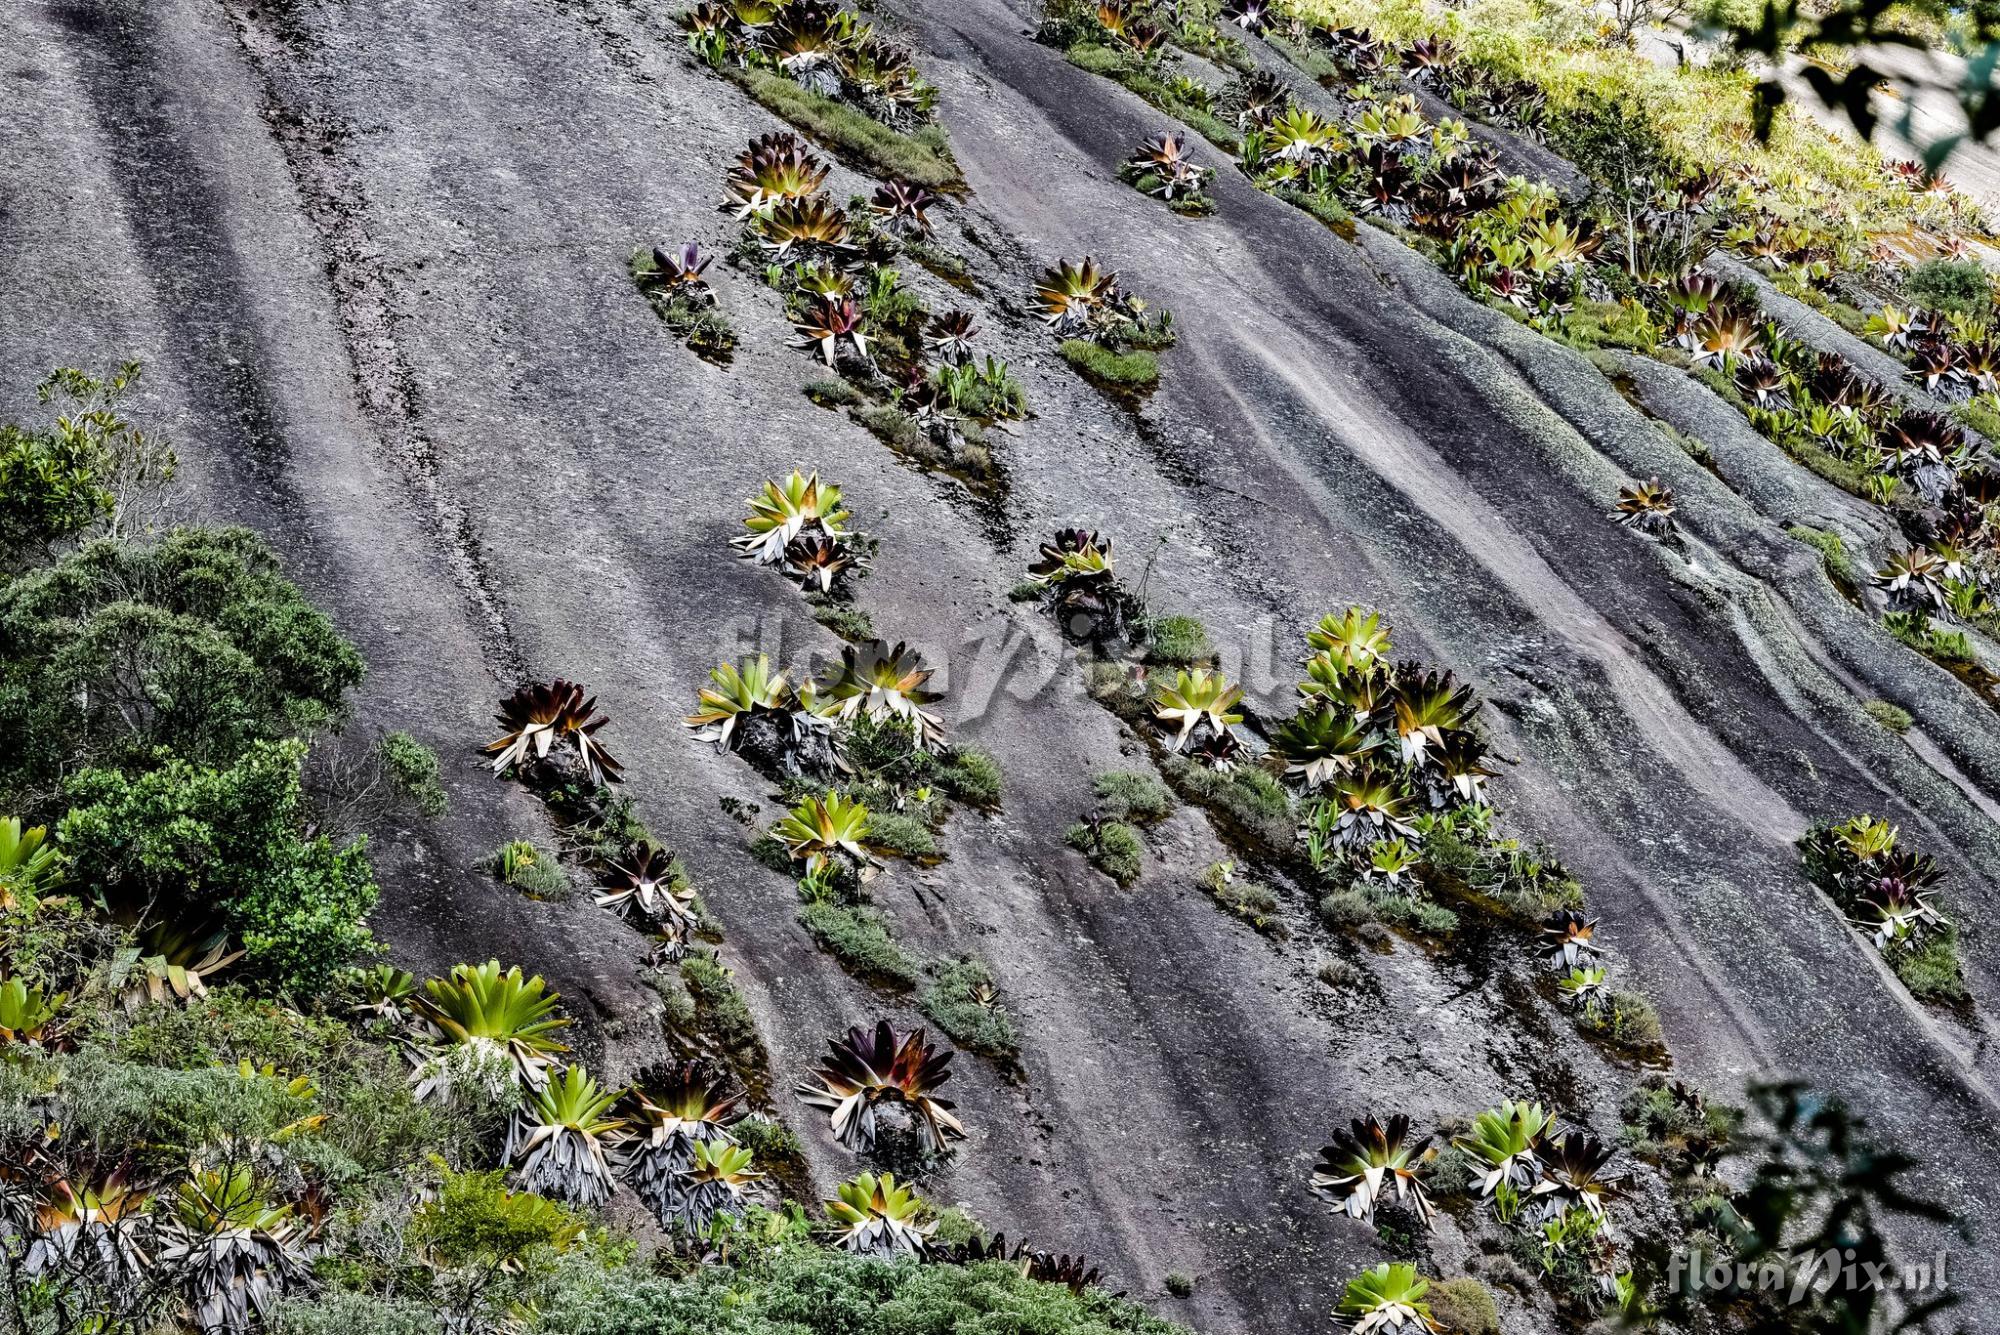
(1070,297)
(1507,1142)
(1914,579)
(1584,985)
(481,1009)
(866,1072)
(1166,170)
(1567,939)
(28,1015)
(30,866)
(1426,708)
(237,1251)
(642,880)
(903,208)
(542,716)
(1355,640)
(1320,745)
(776,168)
(828,322)
(1370,808)
(94,1230)
(949,337)
(816,560)
(558,1144)
(1387,1298)
(821,828)
(1357,1168)
(1647,507)
(878,681)
(681,271)
(880,1217)
(1199,699)
(813,225)
(1576,1173)
(785,510)
(712,1185)
(176,959)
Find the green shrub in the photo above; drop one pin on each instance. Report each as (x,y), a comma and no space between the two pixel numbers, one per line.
(1247,797)
(1133,370)
(74,477)
(1463,1306)
(767,1137)
(849,622)
(1831,549)
(1178,641)
(1113,847)
(335,1311)
(859,938)
(475,1220)
(1180,1284)
(970,776)
(1960,286)
(720,1009)
(833,393)
(198,644)
(413,772)
(531,870)
(923,158)
(902,835)
(1134,798)
(1244,896)
(1625,1018)
(227,840)
(795,1286)
(1893,717)
(953,1001)
(1933,971)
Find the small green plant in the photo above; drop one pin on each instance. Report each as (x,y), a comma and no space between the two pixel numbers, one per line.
(962,1001)
(922,158)
(1932,970)
(530,870)
(1180,1284)
(413,772)
(859,938)
(1113,847)
(833,393)
(1623,1017)
(1178,641)
(1893,717)
(1134,798)
(1129,371)
(1961,287)
(1245,896)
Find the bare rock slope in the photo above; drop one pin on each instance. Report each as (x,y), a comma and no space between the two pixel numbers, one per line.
(374,254)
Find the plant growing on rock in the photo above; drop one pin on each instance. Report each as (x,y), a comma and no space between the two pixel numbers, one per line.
(1164,168)
(1358,1167)
(484,1024)
(880,1217)
(751,710)
(881,682)
(1576,1174)
(798,507)
(1201,708)
(713,1185)
(1506,1145)
(1567,939)
(676,285)
(1079,584)
(558,1144)
(775,168)
(29,1016)
(1387,1298)
(829,322)
(1647,507)
(903,208)
(823,828)
(542,718)
(884,1074)
(645,881)
(1883,889)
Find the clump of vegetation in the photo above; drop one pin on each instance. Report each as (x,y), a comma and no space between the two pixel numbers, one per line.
(676,284)
(1676,1126)
(414,772)
(1464,1306)
(1107,333)
(1113,847)
(1893,717)
(1178,641)
(1165,168)
(1884,890)
(538,873)
(832,393)
(1133,370)
(1135,798)
(1839,566)
(963,1002)
(857,936)
(1246,897)
(1961,287)
(922,156)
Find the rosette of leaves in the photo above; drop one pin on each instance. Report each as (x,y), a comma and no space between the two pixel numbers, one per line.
(559,1143)
(542,718)
(1387,1298)
(1360,1166)
(1199,706)
(880,1217)
(480,1011)
(869,1071)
